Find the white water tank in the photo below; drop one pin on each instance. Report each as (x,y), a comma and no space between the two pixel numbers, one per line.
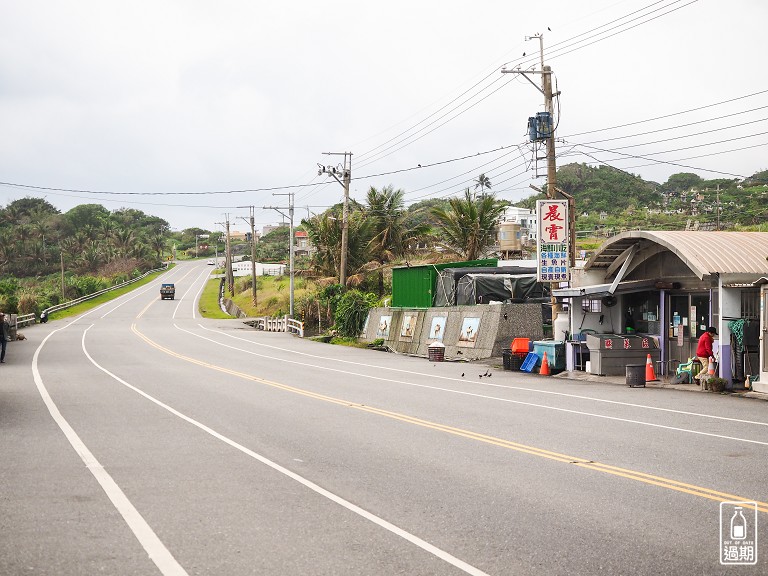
(560,326)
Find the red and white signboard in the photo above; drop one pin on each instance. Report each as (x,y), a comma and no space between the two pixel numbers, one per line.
(552,244)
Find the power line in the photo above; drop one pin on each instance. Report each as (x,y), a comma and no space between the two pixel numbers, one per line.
(666,115)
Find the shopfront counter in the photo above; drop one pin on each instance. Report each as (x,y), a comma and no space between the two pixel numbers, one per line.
(609,354)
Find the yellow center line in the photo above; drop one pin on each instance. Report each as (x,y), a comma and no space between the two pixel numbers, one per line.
(638,476)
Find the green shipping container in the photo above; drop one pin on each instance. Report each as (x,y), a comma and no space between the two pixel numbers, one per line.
(414,286)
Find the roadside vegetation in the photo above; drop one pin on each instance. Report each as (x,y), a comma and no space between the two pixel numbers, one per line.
(48,257)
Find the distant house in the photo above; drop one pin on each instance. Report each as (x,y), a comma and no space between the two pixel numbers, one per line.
(303,246)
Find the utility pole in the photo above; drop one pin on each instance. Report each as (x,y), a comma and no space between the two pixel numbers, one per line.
(61,254)
(718,207)
(290,241)
(253,255)
(346,177)
(228,261)
(551,188)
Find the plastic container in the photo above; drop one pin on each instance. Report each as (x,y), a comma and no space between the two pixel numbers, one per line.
(512,361)
(520,346)
(530,362)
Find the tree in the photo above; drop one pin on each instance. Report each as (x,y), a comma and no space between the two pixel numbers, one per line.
(324,231)
(482,182)
(467,227)
(682,182)
(85,215)
(389,221)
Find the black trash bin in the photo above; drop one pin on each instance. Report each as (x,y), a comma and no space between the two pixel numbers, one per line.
(636,375)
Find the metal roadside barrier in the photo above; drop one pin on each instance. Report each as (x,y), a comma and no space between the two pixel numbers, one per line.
(44,314)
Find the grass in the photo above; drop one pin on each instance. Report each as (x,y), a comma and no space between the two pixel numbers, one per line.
(209,300)
(273,294)
(106,297)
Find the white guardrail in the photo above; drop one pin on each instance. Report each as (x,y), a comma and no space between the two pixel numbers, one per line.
(280,324)
(25,320)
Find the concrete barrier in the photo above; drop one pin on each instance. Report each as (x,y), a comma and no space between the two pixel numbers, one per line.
(469,332)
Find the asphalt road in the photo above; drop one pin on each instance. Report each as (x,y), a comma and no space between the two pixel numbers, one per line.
(141,439)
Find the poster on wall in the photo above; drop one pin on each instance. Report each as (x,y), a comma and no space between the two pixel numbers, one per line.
(408,327)
(469,330)
(437,329)
(383,330)
(552,243)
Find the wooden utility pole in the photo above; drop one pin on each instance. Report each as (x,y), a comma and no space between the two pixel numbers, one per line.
(346,178)
(61,254)
(551,187)
(546,85)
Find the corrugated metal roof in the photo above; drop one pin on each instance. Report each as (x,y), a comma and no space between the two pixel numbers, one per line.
(705,253)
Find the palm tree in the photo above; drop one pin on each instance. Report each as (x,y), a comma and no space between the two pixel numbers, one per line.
(482,182)
(157,243)
(393,235)
(324,231)
(124,241)
(467,226)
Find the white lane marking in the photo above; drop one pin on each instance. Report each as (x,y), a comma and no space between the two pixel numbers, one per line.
(473,394)
(487,384)
(156,550)
(124,301)
(151,285)
(194,300)
(413,539)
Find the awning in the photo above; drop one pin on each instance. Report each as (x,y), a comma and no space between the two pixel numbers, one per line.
(599,290)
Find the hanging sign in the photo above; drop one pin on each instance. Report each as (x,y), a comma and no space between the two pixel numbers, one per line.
(552,247)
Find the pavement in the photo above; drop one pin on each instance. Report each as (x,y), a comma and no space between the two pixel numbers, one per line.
(660,383)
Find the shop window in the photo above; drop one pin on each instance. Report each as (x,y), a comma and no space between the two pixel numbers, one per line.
(750,304)
(592,305)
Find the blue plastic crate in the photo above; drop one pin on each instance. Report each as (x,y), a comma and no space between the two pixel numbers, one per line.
(530,362)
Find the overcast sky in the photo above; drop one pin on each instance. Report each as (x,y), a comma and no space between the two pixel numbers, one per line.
(158,98)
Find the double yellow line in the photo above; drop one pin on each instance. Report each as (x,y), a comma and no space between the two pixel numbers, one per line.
(659,481)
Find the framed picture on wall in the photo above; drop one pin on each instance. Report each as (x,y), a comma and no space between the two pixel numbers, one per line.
(437,328)
(470,328)
(384,324)
(409,327)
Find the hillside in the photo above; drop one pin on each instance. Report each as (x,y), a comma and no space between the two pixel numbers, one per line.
(610,198)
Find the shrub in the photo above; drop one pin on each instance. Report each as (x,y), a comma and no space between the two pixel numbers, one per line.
(351,312)
(717,384)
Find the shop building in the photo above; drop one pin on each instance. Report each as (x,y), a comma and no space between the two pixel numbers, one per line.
(670,286)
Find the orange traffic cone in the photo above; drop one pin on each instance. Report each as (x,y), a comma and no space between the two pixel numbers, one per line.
(711,367)
(650,375)
(544,366)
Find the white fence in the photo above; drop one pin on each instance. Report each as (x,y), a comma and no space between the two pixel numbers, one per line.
(25,320)
(280,324)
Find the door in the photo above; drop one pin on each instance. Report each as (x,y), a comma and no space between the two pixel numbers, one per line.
(686,314)
(764,327)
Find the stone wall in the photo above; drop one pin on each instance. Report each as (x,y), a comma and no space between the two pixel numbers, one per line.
(469,332)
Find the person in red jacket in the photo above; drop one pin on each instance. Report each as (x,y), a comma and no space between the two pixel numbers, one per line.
(704,350)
